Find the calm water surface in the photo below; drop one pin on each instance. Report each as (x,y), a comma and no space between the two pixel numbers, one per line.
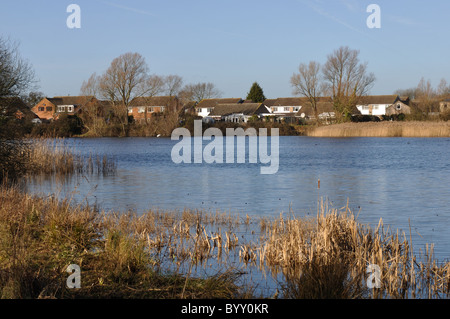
(404,181)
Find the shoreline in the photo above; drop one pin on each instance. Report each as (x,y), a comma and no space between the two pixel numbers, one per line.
(415,129)
(409,129)
(156,255)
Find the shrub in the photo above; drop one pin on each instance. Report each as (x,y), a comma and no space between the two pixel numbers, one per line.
(65,126)
(365,118)
(445,116)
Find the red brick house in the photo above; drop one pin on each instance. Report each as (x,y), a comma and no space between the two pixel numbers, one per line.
(15,107)
(52,108)
(143,108)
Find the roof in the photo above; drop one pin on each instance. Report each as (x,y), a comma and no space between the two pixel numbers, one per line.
(379,99)
(322,107)
(244,108)
(207,103)
(289,101)
(13,104)
(70,100)
(269,102)
(153,101)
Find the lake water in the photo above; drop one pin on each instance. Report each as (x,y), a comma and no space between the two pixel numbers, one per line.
(404,181)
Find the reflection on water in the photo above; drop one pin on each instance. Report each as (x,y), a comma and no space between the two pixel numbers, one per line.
(403,181)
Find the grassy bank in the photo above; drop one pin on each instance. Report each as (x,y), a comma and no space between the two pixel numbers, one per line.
(21,157)
(156,254)
(120,255)
(383,129)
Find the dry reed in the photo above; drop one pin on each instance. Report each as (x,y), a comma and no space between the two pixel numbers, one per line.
(156,254)
(49,156)
(327,257)
(383,129)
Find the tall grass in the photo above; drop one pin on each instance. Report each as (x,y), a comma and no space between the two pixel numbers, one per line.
(168,254)
(19,157)
(121,255)
(383,129)
(328,256)
(54,156)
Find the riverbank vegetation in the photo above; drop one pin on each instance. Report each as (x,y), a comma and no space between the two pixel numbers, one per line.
(168,254)
(21,157)
(383,129)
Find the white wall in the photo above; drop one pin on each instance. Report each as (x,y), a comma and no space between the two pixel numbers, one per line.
(377,109)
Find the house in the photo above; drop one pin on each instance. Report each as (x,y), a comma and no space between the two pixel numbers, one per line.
(400,107)
(52,108)
(15,107)
(238,113)
(143,108)
(378,104)
(206,106)
(285,108)
(325,110)
(444,106)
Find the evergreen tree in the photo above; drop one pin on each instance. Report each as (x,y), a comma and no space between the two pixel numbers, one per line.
(256,94)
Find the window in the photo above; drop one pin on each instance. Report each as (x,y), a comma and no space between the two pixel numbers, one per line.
(70,109)
(130,110)
(296,109)
(49,109)
(399,107)
(150,109)
(141,109)
(286,109)
(41,109)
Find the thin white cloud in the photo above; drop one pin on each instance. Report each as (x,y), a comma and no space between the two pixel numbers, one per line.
(317,6)
(329,16)
(402,20)
(352,5)
(119,6)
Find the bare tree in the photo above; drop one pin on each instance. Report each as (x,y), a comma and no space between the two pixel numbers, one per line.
(425,95)
(443,89)
(122,82)
(347,78)
(154,85)
(173,84)
(200,91)
(91,87)
(32,98)
(411,92)
(308,82)
(91,113)
(16,74)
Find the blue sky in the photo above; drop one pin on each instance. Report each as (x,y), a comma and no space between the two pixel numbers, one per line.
(230,43)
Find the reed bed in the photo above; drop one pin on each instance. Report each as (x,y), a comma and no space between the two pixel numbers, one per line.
(122,255)
(328,257)
(165,254)
(383,129)
(54,156)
